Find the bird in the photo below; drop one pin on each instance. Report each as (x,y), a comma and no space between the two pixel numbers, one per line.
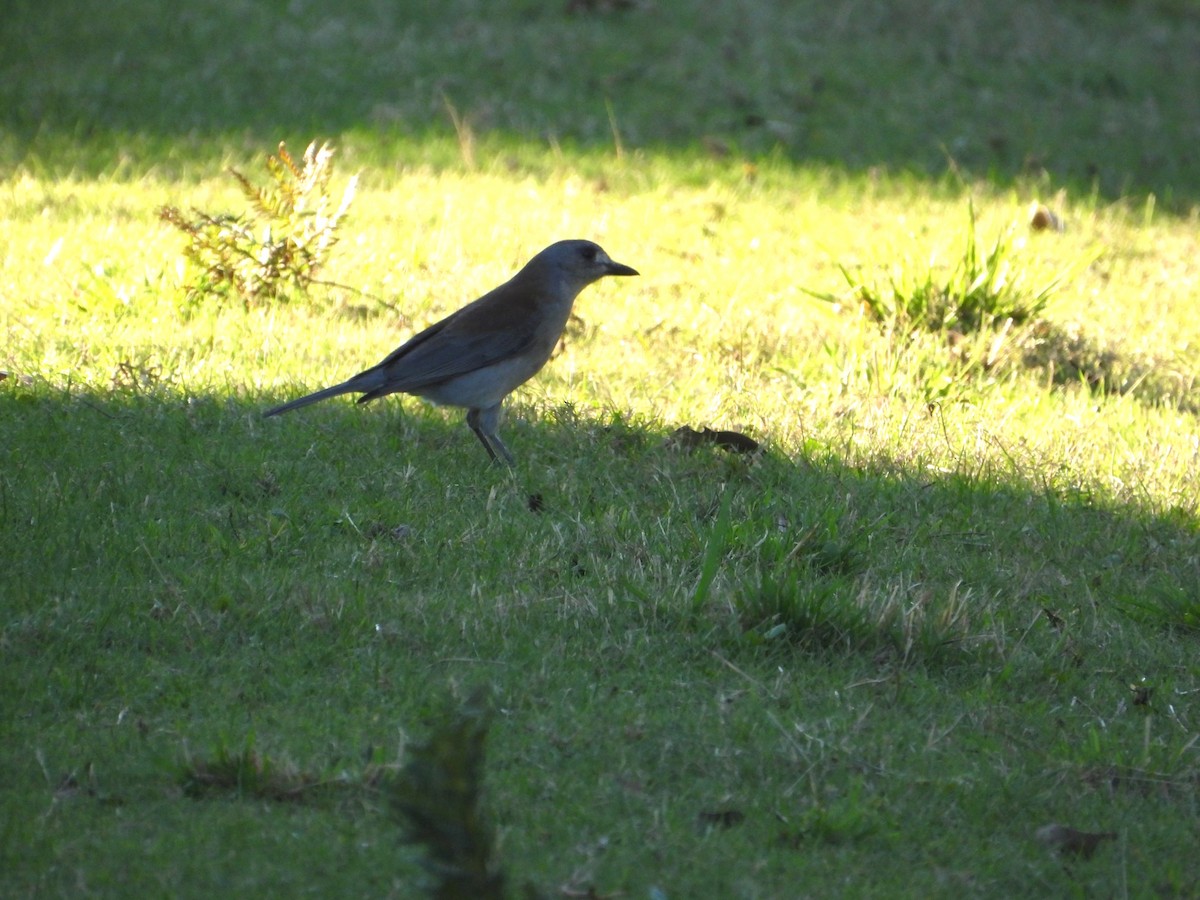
(475,357)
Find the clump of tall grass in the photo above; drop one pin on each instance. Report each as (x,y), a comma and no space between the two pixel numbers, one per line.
(983,287)
(813,596)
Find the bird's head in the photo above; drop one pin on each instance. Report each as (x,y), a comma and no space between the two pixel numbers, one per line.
(578,263)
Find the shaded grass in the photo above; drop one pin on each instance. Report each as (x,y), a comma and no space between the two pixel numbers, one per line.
(328,594)
(1085,95)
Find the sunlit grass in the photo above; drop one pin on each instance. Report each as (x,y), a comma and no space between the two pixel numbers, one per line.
(721,330)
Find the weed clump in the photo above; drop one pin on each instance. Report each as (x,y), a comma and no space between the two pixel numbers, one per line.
(983,315)
(814,597)
(1166,603)
(250,773)
(984,287)
(437,800)
(280,243)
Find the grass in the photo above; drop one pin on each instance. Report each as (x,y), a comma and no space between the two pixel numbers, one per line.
(980,292)
(949,604)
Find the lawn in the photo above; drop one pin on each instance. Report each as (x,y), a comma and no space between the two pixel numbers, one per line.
(952,600)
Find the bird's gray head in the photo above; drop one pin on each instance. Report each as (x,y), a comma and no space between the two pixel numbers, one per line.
(579,263)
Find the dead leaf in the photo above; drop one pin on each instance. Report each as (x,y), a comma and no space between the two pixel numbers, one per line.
(583,7)
(716,148)
(721,818)
(1056,621)
(1071,841)
(397,533)
(734,441)
(1042,218)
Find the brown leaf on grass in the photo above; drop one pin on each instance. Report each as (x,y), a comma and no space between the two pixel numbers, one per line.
(1071,841)
(70,787)
(720,818)
(586,893)
(1042,218)
(631,784)
(584,7)
(1142,782)
(715,147)
(734,441)
(1056,621)
(67,787)
(397,533)
(247,772)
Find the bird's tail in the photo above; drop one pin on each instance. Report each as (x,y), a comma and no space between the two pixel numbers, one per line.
(346,387)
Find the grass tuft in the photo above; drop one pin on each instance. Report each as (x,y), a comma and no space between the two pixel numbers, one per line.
(813,596)
(247,773)
(805,595)
(1166,603)
(984,287)
(845,820)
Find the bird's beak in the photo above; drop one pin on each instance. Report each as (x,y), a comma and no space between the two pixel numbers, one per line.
(615,268)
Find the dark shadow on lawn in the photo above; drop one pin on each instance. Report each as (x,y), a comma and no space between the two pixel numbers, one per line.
(188,489)
(1079,95)
(293,589)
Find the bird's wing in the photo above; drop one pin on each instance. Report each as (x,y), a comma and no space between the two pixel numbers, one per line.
(445,350)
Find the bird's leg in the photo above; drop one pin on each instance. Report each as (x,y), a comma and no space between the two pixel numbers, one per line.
(508,457)
(484,423)
(486,446)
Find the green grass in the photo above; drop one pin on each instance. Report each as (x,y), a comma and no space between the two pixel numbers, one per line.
(952,602)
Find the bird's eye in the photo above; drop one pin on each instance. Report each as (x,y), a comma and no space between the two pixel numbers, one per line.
(589,253)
